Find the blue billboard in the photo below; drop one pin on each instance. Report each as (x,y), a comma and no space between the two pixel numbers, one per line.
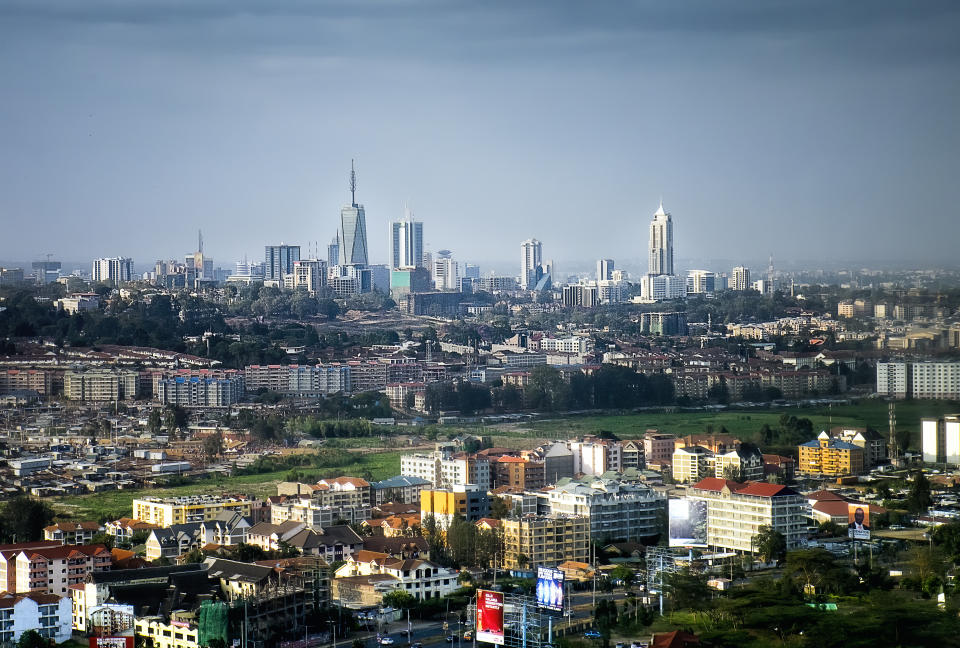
(550,589)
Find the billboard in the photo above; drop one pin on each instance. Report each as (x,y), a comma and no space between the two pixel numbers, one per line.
(858,521)
(111,642)
(490,617)
(550,589)
(688,523)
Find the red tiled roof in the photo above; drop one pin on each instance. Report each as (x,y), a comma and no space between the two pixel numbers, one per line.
(837,508)
(675,639)
(764,489)
(717,484)
(66,551)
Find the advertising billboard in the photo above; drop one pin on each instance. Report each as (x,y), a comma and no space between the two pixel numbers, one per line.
(688,523)
(111,642)
(490,617)
(858,521)
(550,589)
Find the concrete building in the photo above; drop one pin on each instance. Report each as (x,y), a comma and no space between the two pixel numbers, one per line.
(690,464)
(300,381)
(617,511)
(736,511)
(220,389)
(531,263)
(48,614)
(422,579)
(466,500)
(165,512)
(545,540)
(661,243)
(100,385)
(72,533)
(406,243)
(518,473)
(596,456)
(873,443)
(605,269)
(940,439)
(662,287)
(658,447)
(308,274)
(402,489)
(701,282)
(827,456)
(672,323)
(740,279)
(278,261)
(443,468)
(52,570)
(446,272)
(114,270)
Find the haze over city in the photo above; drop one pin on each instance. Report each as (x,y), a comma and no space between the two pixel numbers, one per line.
(807,130)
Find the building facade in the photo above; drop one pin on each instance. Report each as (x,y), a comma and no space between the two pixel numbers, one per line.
(534,541)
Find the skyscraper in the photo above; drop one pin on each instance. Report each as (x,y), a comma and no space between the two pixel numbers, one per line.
(741,278)
(604,269)
(661,243)
(333,251)
(531,261)
(113,270)
(446,272)
(406,242)
(353,228)
(278,260)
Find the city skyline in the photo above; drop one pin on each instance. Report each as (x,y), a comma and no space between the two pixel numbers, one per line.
(761,126)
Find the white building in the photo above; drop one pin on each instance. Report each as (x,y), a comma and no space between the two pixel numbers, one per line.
(310,274)
(531,260)
(940,440)
(605,269)
(406,243)
(446,272)
(617,511)
(420,578)
(48,614)
(939,380)
(661,243)
(701,282)
(662,287)
(114,270)
(596,457)
(445,470)
(741,278)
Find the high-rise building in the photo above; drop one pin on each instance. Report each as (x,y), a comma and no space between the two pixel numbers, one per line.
(445,271)
(661,243)
(604,269)
(333,251)
(353,228)
(701,282)
(279,260)
(406,242)
(471,271)
(940,439)
(310,274)
(531,263)
(200,263)
(114,270)
(741,278)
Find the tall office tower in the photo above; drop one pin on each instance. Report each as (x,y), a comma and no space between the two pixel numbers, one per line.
(353,228)
(471,271)
(701,282)
(531,260)
(446,274)
(604,269)
(278,261)
(200,263)
(113,270)
(741,278)
(427,263)
(406,242)
(661,243)
(333,251)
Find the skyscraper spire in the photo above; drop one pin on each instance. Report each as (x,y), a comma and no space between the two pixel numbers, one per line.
(353,184)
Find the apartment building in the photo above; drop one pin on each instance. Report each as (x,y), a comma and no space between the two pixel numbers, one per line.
(165,512)
(736,511)
(518,473)
(469,501)
(827,456)
(48,614)
(72,533)
(940,439)
(658,447)
(617,511)
(401,489)
(421,579)
(691,463)
(100,385)
(38,380)
(873,444)
(593,456)
(632,455)
(52,570)
(302,381)
(940,380)
(200,389)
(545,540)
(443,468)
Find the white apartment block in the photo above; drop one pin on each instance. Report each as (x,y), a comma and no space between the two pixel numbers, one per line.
(596,457)
(48,614)
(617,511)
(114,270)
(735,513)
(940,440)
(444,470)
(940,380)
(573,344)
(52,570)
(304,381)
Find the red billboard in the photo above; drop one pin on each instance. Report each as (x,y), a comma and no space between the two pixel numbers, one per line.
(111,642)
(490,616)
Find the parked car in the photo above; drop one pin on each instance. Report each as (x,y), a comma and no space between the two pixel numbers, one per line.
(386,641)
(449,638)
(468,635)
(592,634)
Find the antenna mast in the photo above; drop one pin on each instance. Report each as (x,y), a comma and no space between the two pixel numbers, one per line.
(353,184)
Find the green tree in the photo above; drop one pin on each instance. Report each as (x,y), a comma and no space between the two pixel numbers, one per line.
(918,497)
(31,639)
(770,544)
(622,573)
(22,519)
(104,539)
(499,508)
(399,599)
(155,422)
(213,444)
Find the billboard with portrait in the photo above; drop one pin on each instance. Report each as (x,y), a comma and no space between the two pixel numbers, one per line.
(858,521)
(490,617)
(550,589)
(688,522)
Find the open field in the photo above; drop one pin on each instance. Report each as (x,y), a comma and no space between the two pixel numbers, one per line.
(115,504)
(744,423)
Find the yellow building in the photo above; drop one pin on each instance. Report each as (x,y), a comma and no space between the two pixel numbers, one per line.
(465,500)
(827,456)
(165,512)
(180,632)
(545,540)
(690,464)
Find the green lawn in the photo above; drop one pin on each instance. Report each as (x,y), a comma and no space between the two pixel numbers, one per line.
(116,504)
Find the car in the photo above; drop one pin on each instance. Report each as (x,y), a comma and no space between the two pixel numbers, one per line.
(592,634)
(620,644)
(468,635)
(449,638)
(386,641)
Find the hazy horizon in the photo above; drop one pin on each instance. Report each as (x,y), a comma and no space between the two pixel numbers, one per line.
(809,130)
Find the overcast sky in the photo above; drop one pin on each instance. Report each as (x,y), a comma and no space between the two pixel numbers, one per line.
(810,130)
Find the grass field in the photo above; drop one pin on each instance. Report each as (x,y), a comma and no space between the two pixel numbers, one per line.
(743,423)
(116,504)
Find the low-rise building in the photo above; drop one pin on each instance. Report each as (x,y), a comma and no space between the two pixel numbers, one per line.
(52,570)
(421,579)
(48,614)
(469,501)
(72,533)
(402,488)
(165,512)
(827,456)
